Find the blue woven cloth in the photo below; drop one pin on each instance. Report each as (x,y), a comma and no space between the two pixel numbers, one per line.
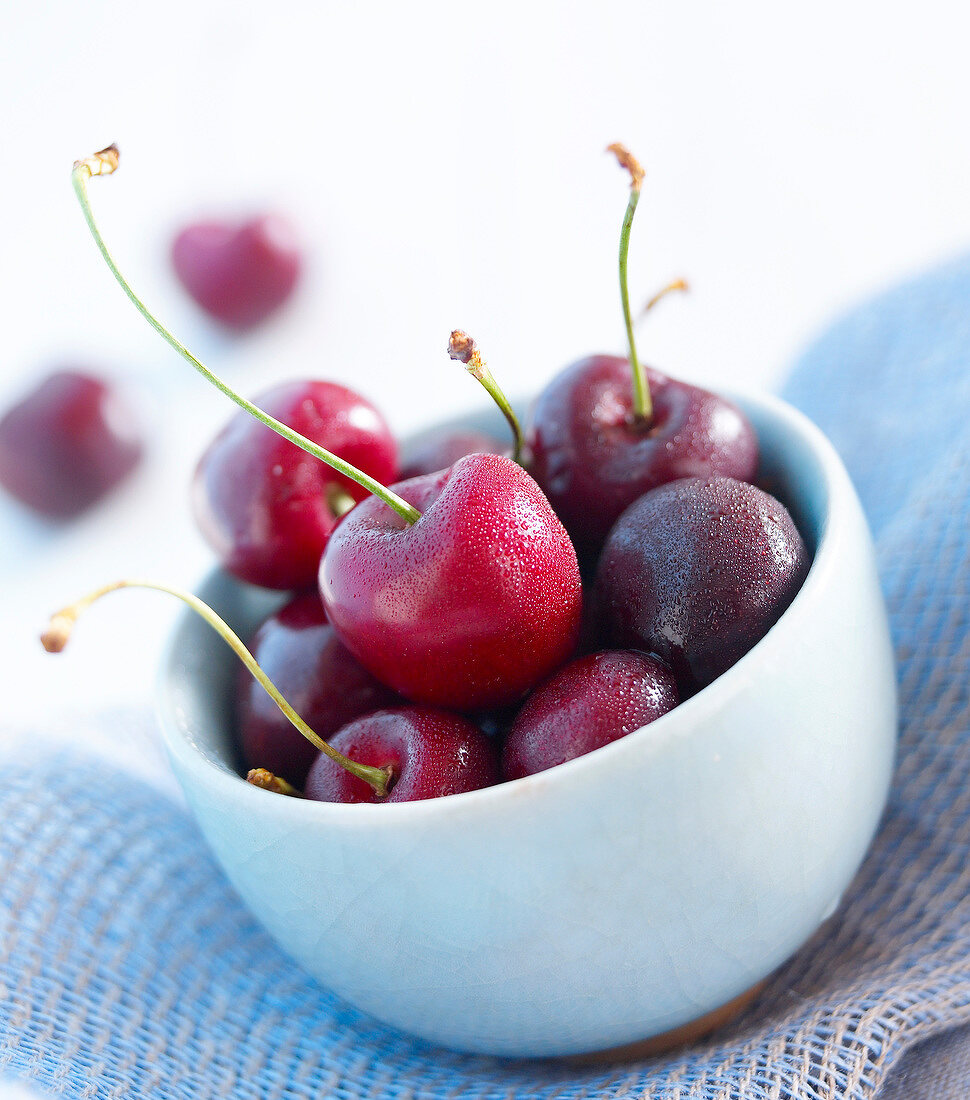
(129,969)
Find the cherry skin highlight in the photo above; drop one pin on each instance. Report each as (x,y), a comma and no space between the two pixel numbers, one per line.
(589,703)
(67,444)
(300,652)
(468,607)
(267,507)
(697,572)
(238,273)
(440,449)
(431,754)
(593,458)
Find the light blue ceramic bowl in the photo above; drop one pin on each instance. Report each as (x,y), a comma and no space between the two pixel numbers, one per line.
(613,898)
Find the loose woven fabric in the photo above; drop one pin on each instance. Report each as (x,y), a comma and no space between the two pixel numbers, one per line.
(129,969)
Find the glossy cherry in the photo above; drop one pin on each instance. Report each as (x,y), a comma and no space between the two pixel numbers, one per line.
(442,447)
(469,606)
(429,752)
(589,703)
(606,430)
(697,572)
(462,590)
(300,652)
(593,458)
(238,272)
(67,443)
(267,507)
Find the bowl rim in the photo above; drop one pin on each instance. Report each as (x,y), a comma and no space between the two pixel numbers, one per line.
(839,503)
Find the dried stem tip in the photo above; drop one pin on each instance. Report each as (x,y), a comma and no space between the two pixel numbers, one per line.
(461,347)
(677,284)
(260,777)
(629,162)
(102,163)
(58,632)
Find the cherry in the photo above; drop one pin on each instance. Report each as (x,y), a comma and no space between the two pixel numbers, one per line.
(67,443)
(300,652)
(697,571)
(399,755)
(589,703)
(429,752)
(239,273)
(442,447)
(266,506)
(606,430)
(467,605)
(593,461)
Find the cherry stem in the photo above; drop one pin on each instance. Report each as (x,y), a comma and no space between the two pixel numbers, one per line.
(463,349)
(642,405)
(677,284)
(58,632)
(103,164)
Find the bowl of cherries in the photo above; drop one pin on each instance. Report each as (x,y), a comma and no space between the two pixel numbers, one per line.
(541,750)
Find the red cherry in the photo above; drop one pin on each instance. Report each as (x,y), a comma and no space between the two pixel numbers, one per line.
(267,507)
(697,572)
(469,606)
(585,705)
(239,273)
(466,602)
(593,458)
(300,652)
(430,754)
(606,430)
(442,447)
(67,443)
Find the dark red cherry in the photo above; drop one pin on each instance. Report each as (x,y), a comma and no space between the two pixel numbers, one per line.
(469,606)
(593,458)
(430,754)
(67,443)
(587,704)
(441,448)
(267,507)
(697,571)
(239,273)
(607,430)
(300,652)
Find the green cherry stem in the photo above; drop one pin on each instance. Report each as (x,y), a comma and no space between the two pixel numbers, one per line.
(104,163)
(463,349)
(642,405)
(58,633)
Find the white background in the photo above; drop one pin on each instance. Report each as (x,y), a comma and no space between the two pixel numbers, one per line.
(445,164)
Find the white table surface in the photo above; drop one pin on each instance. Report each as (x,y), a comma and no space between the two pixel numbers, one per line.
(446,167)
(445,164)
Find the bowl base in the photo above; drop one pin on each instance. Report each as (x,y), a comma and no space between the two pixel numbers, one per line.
(690,1032)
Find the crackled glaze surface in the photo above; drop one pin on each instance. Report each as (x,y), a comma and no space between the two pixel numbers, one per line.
(619,895)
